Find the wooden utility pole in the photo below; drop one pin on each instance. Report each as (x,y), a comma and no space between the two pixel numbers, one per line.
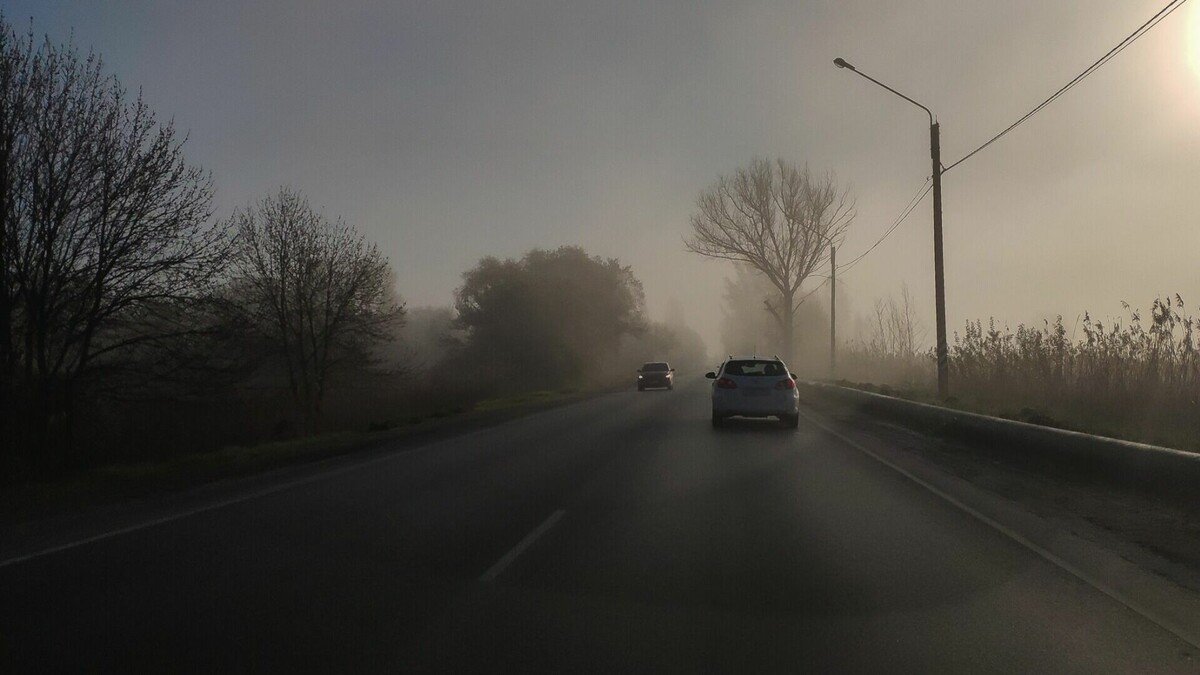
(939,281)
(832,311)
(939,278)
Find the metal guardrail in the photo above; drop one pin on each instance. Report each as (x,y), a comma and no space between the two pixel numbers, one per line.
(1149,467)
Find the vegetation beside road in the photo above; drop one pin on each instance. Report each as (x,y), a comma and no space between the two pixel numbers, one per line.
(132,480)
(1135,379)
(139,328)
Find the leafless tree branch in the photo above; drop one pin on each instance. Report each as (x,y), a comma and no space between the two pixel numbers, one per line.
(316,291)
(102,222)
(779,219)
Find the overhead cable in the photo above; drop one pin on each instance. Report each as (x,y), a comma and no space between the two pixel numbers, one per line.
(1130,39)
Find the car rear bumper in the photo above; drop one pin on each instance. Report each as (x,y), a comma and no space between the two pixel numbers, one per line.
(738,402)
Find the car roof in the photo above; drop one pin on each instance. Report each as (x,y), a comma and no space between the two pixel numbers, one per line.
(775,362)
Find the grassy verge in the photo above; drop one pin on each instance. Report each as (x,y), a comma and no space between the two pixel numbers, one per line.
(1164,434)
(532,398)
(1023,414)
(118,482)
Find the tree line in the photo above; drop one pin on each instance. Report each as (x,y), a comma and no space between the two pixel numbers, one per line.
(126,305)
(134,322)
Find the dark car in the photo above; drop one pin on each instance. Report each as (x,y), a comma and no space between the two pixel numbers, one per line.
(656,374)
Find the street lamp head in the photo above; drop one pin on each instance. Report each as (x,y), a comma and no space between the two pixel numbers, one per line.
(841,63)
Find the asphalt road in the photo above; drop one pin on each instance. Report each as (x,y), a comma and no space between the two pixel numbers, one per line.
(621,534)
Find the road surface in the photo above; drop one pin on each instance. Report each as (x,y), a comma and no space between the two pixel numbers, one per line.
(620,534)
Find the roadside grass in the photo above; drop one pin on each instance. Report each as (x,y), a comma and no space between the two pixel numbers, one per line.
(1180,434)
(928,396)
(529,398)
(1135,379)
(134,480)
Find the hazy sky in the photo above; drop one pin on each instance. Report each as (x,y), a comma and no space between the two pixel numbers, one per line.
(447,131)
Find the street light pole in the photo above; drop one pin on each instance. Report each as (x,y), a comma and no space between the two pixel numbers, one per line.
(935,153)
(939,278)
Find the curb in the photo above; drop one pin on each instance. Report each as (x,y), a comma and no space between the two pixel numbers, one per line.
(1149,467)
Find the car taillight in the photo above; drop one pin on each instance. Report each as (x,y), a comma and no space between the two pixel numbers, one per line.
(726,383)
(788,383)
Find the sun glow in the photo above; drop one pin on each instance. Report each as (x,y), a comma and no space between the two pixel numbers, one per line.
(1194,39)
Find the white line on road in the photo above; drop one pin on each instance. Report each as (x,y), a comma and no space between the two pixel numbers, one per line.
(1137,608)
(503,563)
(255,494)
(185,513)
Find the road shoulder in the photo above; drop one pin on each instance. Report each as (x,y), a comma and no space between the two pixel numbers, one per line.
(1139,547)
(32,532)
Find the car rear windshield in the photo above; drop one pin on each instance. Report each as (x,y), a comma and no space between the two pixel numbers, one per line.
(655,367)
(755,368)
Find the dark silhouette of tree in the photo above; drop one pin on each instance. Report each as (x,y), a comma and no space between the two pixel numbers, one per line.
(315,291)
(780,220)
(105,237)
(550,318)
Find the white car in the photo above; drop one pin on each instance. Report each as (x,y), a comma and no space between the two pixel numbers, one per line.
(752,386)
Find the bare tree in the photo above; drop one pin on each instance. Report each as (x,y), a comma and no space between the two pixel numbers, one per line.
(780,220)
(315,290)
(897,330)
(105,233)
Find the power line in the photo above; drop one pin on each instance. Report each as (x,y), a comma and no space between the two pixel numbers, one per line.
(908,209)
(814,290)
(1130,39)
(912,205)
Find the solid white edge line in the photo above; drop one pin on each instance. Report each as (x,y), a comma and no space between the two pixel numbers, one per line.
(508,558)
(240,498)
(194,511)
(1086,578)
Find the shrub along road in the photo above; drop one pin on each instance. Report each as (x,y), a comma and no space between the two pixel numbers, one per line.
(617,534)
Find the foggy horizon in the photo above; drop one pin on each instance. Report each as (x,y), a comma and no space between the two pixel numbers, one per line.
(451,132)
(472,337)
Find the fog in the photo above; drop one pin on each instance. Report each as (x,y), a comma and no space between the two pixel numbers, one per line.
(450,131)
(343,335)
